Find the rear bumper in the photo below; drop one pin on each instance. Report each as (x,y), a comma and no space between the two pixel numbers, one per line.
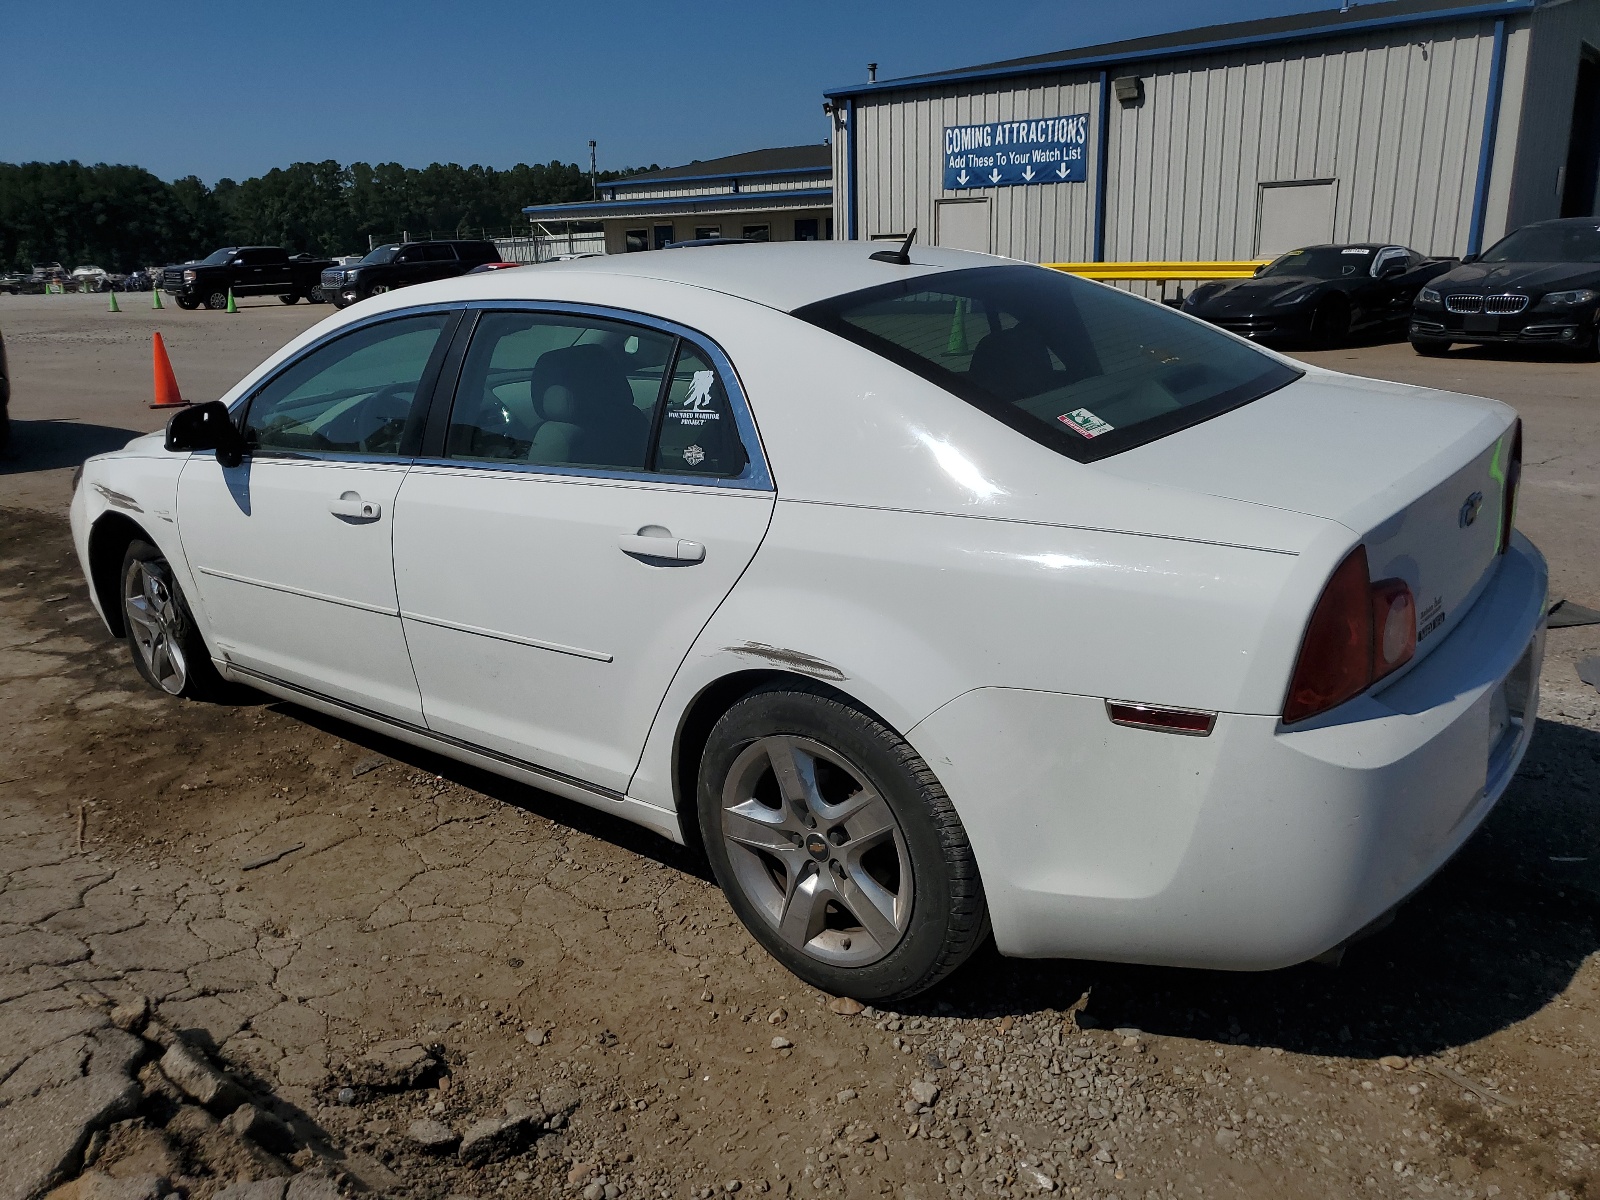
(1256,847)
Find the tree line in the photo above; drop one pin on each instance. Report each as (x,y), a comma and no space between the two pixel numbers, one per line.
(123,217)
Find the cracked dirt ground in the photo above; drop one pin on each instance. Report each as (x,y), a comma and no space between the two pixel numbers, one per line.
(549,959)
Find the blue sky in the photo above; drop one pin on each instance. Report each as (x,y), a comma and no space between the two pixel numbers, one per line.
(215,89)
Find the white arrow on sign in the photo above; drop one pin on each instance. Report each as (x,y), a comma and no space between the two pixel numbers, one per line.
(994,176)
(1062,170)
(1027,172)
(962,178)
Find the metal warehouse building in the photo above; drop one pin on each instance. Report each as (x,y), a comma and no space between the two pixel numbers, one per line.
(1434,123)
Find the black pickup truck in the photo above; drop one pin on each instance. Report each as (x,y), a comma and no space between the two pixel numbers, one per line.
(401,264)
(248,271)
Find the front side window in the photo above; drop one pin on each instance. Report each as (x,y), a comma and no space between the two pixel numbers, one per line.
(547,389)
(1080,367)
(354,395)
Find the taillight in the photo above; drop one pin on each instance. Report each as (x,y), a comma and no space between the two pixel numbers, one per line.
(1513,478)
(1359,632)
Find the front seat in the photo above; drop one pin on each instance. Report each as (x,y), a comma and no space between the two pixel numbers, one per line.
(581,394)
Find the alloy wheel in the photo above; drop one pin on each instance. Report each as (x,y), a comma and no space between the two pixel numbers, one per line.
(154,622)
(817,850)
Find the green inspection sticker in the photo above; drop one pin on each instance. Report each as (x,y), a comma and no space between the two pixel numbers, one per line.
(1081,420)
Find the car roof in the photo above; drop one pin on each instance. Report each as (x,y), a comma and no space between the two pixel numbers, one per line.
(781,275)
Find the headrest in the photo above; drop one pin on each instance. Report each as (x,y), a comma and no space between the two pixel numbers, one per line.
(579,384)
(1012,363)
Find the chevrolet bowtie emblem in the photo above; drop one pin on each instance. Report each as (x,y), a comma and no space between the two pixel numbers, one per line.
(1470,509)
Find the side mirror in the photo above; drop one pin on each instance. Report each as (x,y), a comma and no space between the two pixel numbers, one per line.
(207,426)
(1395,266)
(1469,258)
(1259,269)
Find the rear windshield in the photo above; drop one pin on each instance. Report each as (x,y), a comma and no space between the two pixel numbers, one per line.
(1085,369)
(1547,243)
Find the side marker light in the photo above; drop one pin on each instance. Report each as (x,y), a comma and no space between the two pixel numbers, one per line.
(1186,721)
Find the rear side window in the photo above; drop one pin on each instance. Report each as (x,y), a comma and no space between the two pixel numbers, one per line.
(1085,369)
(547,389)
(477,252)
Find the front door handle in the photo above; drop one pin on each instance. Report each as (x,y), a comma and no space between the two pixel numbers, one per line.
(352,507)
(661,546)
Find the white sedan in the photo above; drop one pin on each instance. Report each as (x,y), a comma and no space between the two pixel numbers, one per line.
(933,596)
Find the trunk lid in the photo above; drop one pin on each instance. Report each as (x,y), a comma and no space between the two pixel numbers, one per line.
(1418,475)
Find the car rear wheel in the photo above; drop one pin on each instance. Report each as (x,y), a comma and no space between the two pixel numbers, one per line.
(1330,324)
(289,299)
(187,303)
(166,646)
(1430,347)
(836,845)
(217,301)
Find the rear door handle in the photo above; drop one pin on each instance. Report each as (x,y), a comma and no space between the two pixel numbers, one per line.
(352,507)
(669,548)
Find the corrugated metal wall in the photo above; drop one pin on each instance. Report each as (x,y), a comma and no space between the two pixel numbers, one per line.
(1394,116)
(899,148)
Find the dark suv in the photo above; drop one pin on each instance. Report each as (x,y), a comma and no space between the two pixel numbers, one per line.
(400,264)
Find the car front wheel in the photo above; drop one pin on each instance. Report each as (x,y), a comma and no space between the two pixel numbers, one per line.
(836,845)
(167,648)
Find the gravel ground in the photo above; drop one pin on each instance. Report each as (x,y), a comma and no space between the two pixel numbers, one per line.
(245,942)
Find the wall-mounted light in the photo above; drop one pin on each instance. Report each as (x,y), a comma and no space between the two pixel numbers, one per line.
(1129,90)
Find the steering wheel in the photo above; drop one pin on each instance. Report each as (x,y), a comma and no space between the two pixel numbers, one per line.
(373,426)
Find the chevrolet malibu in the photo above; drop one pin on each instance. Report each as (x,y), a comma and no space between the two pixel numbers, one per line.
(935,596)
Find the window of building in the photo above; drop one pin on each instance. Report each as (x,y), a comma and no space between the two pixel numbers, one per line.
(805,230)
(757,233)
(636,239)
(702,232)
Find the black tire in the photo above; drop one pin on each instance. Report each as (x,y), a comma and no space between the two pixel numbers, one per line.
(167,649)
(1430,347)
(217,301)
(187,303)
(289,299)
(1588,350)
(919,860)
(317,296)
(1330,323)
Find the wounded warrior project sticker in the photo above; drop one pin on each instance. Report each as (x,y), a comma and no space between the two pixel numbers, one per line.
(697,405)
(1081,420)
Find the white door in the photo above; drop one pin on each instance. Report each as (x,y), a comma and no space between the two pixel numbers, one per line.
(963,224)
(596,500)
(1291,215)
(291,550)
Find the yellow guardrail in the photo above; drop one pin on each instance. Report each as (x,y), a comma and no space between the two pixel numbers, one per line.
(1160,272)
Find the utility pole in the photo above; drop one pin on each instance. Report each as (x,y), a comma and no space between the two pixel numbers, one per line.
(594,185)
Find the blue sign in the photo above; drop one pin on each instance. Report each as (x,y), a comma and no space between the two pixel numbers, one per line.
(1005,153)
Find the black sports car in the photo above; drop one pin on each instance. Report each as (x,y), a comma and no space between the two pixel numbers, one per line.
(1321,294)
(1538,286)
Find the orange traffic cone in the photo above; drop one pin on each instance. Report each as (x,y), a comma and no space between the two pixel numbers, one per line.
(167,395)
